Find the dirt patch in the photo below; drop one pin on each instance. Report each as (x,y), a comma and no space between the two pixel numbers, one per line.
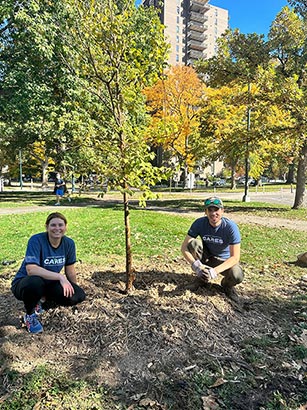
(151,348)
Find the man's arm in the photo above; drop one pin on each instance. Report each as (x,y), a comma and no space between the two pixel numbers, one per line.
(185,252)
(235,251)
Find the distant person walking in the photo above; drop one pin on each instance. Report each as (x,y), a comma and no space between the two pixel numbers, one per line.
(60,189)
(39,282)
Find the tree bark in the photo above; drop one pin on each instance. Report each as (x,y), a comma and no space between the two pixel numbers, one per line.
(130,276)
(300,200)
(45,164)
(233,174)
(290,176)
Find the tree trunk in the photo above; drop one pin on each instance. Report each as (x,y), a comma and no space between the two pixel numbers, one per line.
(290,175)
(300,200)
(130,276)
(44,172)
(233,179)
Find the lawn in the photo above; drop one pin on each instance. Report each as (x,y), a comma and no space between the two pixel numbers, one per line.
(163,347)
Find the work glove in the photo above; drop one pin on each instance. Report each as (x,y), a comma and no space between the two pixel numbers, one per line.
(203,271)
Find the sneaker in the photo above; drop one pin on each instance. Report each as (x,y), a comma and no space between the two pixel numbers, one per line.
(69,199)
(57,203)
(32,323)
(39,309)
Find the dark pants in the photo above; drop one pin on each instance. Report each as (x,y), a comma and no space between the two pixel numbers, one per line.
(31,289)
(232,276)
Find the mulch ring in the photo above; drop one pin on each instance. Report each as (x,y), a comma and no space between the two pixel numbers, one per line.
(148,345)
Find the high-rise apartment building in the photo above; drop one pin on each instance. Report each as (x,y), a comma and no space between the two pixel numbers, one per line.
(191,27)
(217,24)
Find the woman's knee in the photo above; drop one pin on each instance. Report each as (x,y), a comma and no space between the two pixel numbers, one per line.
(78,297)
(30,285)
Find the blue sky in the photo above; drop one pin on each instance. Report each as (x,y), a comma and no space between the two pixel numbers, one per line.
(251,16)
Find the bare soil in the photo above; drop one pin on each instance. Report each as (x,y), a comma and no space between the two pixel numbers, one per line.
(149,347)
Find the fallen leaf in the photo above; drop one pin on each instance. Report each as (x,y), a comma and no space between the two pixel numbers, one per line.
(219,382)
(209,403)
(147,402)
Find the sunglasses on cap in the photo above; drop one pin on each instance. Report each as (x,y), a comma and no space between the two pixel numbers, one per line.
(213,202)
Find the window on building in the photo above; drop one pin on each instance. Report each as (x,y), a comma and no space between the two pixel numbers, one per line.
(177,29)
(177,58)
(178,10)
(177,39)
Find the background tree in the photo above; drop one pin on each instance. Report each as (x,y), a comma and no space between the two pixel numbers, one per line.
(224,126)
(238,58)
(38,94)
(173,103)
(288,44)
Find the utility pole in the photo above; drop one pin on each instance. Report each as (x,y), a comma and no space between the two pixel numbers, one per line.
(246,197)
(20,169)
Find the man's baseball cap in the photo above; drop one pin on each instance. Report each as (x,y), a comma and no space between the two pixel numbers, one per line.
(213,201)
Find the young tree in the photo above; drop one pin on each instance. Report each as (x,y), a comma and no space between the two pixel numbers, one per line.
(117,49)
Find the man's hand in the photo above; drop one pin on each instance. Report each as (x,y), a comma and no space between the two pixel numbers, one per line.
(202,271)
(68,289)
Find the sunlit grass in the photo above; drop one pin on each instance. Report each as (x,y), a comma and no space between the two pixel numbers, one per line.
(99,233)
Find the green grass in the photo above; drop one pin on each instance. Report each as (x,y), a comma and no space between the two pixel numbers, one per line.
(99,235)
(45,388)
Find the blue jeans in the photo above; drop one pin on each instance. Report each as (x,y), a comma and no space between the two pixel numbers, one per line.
(31,289)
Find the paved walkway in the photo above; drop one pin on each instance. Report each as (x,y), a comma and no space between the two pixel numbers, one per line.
(285,197)
(29,209)
(282,197)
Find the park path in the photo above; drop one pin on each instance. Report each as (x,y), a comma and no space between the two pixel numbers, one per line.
(240,218)
(28,209)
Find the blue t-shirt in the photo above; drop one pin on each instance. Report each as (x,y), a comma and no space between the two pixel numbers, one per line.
(216,239)
(59,186)
(40,252)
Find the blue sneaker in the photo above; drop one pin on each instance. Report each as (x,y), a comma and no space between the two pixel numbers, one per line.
(32,323)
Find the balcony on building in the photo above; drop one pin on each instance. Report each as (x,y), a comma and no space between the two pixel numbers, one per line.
(200,28)
(196,45)
(199,6)
(195,35)
(194,54)
(198,17)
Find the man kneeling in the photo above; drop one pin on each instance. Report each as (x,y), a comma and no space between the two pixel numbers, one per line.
(219,249)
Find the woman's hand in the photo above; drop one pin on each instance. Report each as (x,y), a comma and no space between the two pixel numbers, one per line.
(68,289)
